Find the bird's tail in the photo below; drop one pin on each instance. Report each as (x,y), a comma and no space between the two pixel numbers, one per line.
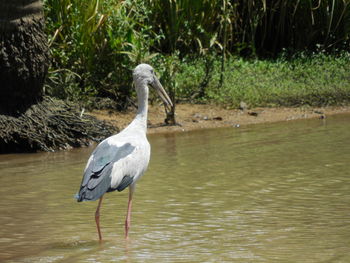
(78,197)
(86,194)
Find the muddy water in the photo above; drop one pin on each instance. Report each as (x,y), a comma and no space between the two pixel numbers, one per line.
(263,193)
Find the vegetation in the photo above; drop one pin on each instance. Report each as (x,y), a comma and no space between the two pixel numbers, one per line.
(315,80)
(30,121)
(219,51)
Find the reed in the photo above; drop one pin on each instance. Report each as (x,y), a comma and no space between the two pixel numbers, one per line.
(94,46)
(256,27)
(96,43)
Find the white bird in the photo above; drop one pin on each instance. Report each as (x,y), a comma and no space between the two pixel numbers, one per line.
(120,160)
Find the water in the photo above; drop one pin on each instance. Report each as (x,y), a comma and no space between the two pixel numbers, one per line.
(262,193)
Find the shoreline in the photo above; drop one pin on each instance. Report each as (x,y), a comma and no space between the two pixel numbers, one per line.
(203,116)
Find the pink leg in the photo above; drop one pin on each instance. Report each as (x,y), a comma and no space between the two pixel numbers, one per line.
(97,218)
(128,216)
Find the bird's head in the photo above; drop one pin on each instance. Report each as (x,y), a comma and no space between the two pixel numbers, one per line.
(144,74)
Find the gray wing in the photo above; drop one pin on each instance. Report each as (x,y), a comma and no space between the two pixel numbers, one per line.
(97,176)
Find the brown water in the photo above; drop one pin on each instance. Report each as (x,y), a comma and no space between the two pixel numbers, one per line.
(263,193)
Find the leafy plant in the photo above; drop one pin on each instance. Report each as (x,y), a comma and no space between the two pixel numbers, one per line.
(95,44)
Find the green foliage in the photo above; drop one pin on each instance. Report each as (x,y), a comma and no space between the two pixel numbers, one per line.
(96,43)
(186,24)
(315,80)
(251,27)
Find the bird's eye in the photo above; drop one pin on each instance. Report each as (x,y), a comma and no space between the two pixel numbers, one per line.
(152,71)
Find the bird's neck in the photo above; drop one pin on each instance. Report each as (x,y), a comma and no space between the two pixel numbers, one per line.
(142,99)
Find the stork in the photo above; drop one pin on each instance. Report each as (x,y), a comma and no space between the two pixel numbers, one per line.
(120,160)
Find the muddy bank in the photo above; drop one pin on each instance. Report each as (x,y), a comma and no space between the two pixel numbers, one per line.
(192,117)
(51,125)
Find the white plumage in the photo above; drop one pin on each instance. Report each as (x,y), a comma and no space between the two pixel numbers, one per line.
(120,160)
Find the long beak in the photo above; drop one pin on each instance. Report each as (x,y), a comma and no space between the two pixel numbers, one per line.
(161,92)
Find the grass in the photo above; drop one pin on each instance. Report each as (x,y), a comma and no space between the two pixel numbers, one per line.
(94,46)
(316,80)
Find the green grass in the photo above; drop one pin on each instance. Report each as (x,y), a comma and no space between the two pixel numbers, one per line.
(316,80)
(95,44)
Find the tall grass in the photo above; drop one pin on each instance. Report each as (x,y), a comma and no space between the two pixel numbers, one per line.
(256,27)
(186,25)
(96,43)
(300,25)
(94,46)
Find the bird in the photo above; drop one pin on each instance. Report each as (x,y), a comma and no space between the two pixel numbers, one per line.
(120,160)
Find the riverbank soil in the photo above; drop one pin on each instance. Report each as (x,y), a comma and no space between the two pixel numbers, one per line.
(196,116)
(49,126)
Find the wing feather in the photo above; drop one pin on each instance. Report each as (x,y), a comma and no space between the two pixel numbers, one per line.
(97,176)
